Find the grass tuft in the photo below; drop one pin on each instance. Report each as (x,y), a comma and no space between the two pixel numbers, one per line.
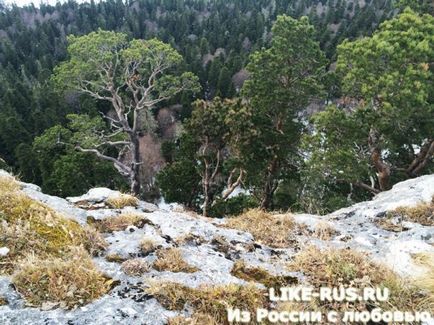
(426,281)
(325,231)
(115,258)
(28,225)
(423,213)
(256,274)
(209,303)
(70,281)
(119,223)
(196,319)
(135,267)
(171,260)
(8,184)
(122,201)
(344,267)
(147,245)
(272,230)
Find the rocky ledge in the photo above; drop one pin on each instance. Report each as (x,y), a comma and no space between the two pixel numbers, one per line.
(211,249)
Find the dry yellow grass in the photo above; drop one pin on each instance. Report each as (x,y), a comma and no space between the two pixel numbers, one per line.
(256,274)
(28,225)
(325,231)
(190,239)
(147,245)
(70,281)
(94,242)
(422,213)
(268,229)
(344,267)
(135,267)
(171,260)
(209,303)
(8,184)
(426,281)
(115,258)
(3,301)
(119,223)
(196,319)
(122,201)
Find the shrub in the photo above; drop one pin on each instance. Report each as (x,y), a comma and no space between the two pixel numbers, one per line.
(171,260)
(70,281)
(122,201)
(233,206)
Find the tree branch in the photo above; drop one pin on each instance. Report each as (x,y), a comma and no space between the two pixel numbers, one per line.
(122,167)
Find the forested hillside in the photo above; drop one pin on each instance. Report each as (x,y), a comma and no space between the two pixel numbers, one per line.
(50,132)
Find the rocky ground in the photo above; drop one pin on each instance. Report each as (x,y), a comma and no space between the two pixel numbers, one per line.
(213,249)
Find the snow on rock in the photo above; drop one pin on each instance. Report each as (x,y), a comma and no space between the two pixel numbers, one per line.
(213,250)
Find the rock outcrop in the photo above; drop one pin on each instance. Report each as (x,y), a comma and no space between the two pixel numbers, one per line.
(213,249)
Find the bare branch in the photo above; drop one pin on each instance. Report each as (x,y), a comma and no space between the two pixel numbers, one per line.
(126,171)
(233,186)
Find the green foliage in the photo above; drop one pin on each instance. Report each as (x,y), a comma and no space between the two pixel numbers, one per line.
(65,171)
(96,56)
(421,6)
(232,207)
(283,80)
(388,82)
(179,181)
(209,151)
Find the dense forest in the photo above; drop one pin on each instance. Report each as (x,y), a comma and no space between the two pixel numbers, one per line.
(306,105)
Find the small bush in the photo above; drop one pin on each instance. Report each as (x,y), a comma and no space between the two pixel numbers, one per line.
(70,281)
(119,223)
(122,201)
(209,303)
(171,260)
(233,206)
(272,230)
